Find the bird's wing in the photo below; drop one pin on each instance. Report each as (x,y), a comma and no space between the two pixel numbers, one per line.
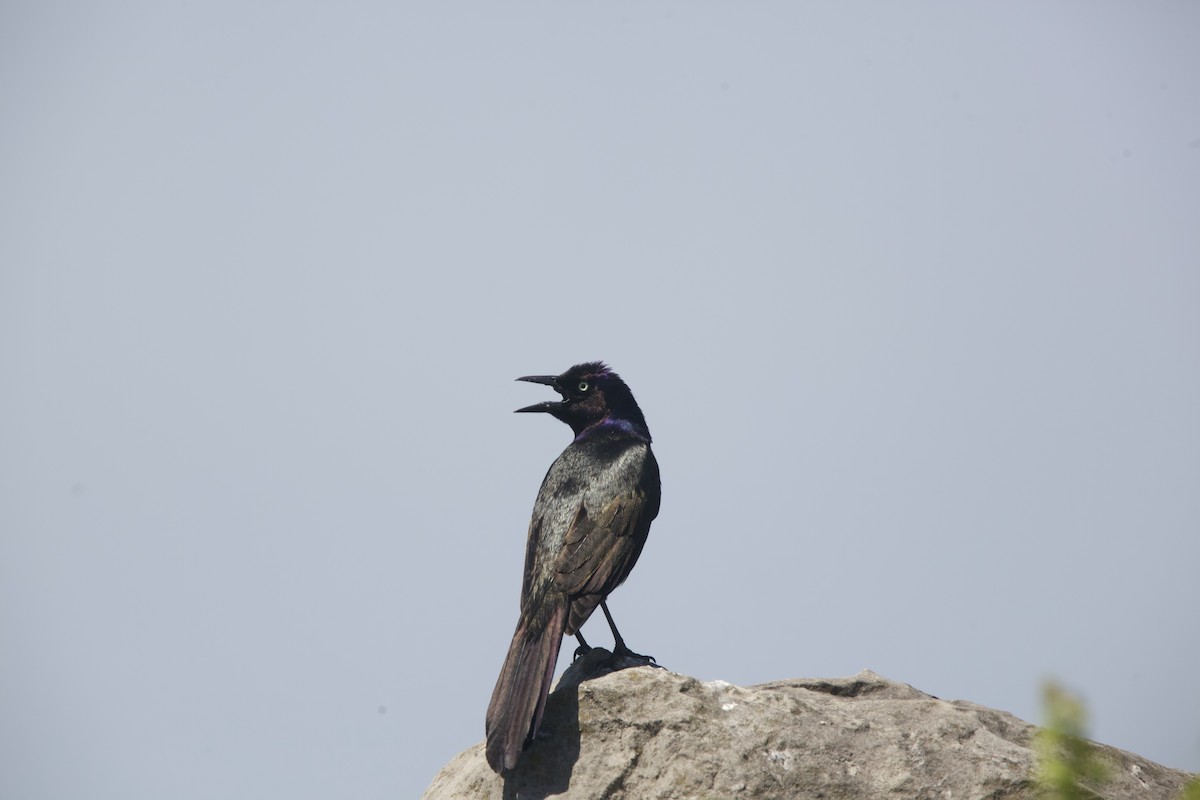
(535,610)
(531,549)
(599,550)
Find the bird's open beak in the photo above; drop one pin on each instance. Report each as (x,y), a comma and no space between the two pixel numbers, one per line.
(545,380)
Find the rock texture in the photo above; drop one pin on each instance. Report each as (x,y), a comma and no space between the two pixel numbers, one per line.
(648,733)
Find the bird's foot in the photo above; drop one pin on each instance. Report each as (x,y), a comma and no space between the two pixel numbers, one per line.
(583,649)
(622,653)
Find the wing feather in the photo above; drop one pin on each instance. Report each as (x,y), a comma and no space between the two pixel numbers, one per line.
(599,552)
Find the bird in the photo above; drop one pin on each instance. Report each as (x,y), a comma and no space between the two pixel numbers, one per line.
(589,525)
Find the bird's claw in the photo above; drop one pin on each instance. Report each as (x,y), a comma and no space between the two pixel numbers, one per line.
(624,652)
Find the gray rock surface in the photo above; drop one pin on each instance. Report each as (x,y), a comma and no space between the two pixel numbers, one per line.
(645,733)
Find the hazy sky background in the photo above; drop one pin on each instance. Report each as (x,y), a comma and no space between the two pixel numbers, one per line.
(909,293)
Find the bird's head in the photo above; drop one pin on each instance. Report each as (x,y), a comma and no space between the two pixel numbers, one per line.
(592,394)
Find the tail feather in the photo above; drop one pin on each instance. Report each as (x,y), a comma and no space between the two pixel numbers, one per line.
(519,699)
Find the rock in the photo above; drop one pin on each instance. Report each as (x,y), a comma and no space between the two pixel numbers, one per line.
(644,733)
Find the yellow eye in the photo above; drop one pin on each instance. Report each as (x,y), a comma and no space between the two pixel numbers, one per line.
(583,386)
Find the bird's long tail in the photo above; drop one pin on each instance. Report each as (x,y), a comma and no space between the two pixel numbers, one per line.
(519,699)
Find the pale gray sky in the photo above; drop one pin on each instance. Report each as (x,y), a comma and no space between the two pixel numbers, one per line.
(909,293)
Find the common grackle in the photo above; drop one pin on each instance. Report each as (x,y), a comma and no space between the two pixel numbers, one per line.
(589,524)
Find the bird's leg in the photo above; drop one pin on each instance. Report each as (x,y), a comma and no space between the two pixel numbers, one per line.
(619,649)
(583,649)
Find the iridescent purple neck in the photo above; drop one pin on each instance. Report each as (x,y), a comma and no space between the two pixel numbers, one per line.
(610,424)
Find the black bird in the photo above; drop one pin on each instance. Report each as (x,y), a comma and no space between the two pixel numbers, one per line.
(589,524)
